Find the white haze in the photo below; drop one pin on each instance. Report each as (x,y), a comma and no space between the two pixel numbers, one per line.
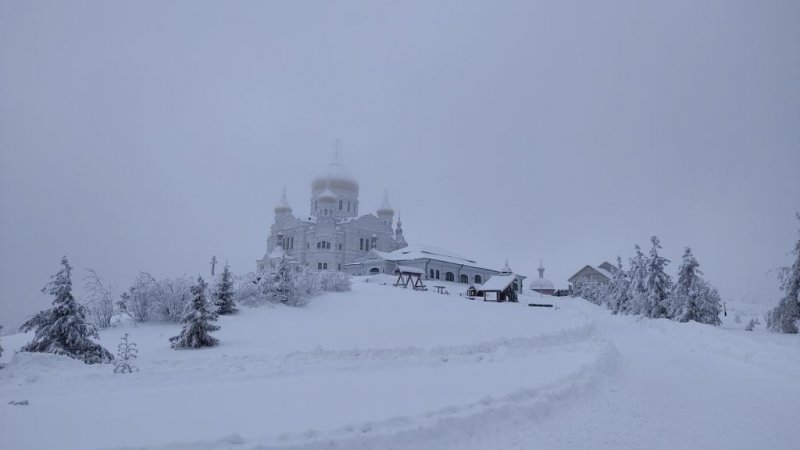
(149,136)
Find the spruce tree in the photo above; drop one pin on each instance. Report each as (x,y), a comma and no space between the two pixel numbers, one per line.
(684,305)
(785,317)
(197,321)
(223,293)
(636,279)
(657,283)
(693,299)
(618,299)
(63,329)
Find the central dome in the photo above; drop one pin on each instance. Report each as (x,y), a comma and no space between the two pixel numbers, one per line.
(335,176)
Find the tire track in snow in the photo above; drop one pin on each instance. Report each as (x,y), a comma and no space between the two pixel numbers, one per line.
(471,425)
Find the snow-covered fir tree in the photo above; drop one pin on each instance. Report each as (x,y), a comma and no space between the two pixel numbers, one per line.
(786,316)
(1,344)
(692,298)
(281,287)
(198,321)
(618,293)
(126,353)
(63,329)
(223,293)
(636,278)
(657,283)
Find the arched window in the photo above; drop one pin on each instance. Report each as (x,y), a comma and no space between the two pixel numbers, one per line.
(361,244)
(463,278)
(325,266)
(431,273)
(340,245)
(319,244)
(374,271)
(348,206)
(437,274)
(449,276)
(339,267)
(478,279)
(319,266)
(340,204)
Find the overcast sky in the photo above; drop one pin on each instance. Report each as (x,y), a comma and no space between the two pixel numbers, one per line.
(149,136)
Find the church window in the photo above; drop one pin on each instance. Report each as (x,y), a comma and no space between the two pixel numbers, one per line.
(319,266)
(373,242)
(340,246)
(340,204)
(339,267)
(478,279)
(463,279)
(516,286)
(367,245)
(431,273)
(361,244)
(348,206)
(318,245)
(328,245)
(325,266)
(437,274)
(291,244)
(308,245)
(449,276)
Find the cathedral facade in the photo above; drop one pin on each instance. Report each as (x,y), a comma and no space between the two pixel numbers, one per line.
(333,234)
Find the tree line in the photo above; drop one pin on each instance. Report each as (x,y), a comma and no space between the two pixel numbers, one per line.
(70,327)
(646,289)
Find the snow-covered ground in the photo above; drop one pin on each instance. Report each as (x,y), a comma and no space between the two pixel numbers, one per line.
(384,367)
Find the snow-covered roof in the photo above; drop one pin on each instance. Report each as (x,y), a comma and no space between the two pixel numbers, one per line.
(498,282)
(417,251)
(409,269)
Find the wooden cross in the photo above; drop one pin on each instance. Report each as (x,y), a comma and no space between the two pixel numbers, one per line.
(213,264)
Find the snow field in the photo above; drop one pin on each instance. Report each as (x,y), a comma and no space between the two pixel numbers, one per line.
(379,364)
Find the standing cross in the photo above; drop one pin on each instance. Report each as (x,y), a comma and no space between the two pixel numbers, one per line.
(213,264)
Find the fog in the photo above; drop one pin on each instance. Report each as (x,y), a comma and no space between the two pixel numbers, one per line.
(149,136)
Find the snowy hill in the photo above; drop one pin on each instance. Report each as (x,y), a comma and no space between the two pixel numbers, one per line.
(385,367)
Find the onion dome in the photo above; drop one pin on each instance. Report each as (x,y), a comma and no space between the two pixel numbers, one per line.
(327,195)
(386,208)
(335,176)
(283,206)
(541,283)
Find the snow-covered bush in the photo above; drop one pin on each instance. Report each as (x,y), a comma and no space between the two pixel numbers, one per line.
(138,301)
(100,302)
(197,322)
(151,299)
(786,316)
(223,293)
(281,286)
(752,324)
(250,290)
(126,353)
(169,298)
(308,284)
(335,281)
(594,291)
(63,329)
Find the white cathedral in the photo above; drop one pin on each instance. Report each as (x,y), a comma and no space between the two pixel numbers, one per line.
(335,237)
